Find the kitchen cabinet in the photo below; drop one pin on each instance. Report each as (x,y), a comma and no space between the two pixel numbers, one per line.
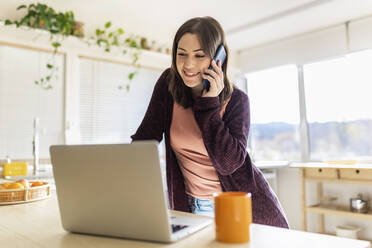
(21,101)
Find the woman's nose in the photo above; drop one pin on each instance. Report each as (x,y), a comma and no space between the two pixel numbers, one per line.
(189,63)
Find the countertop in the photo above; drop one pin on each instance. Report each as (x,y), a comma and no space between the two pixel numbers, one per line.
(37,224)
(270,164)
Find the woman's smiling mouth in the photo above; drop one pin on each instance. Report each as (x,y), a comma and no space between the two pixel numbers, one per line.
(190,75)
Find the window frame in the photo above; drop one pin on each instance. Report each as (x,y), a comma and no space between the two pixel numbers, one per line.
(305,138)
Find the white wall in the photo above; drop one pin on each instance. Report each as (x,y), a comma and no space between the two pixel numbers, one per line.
(319,45)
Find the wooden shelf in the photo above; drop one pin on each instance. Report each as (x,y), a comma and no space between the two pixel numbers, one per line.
(342,181)
(339,210)
(336,174)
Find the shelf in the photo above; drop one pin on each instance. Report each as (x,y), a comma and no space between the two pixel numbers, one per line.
(25,38)
(339,210)
(344,181)
(359,174)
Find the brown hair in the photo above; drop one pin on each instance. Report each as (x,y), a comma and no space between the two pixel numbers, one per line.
(210,35)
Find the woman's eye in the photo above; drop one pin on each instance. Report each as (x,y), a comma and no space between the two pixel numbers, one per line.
(181,54)
(200,56)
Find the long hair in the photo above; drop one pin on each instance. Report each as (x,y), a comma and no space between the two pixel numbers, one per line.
(210,35)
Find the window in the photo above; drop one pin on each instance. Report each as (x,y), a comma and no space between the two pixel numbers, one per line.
(274,132)
(338,105)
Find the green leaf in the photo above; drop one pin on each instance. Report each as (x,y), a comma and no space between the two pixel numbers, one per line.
(107,50)
(49,66)
(25,20)
(22,7)
(135,58)
(108,24)
(106,42)
(131,75)
(120,31)
(115,42)
(47,78)
(49,87)
(133,43)
(8,22)
(47,24)
(98,32)
(56,44)
(36,82)
(127,87)
(110,34)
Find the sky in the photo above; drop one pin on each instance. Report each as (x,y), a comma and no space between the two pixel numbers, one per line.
(273,95)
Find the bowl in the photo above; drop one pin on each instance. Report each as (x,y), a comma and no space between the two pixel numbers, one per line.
(328,201)
(348,231)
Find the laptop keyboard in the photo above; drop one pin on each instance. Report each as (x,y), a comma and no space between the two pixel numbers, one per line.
(176,228)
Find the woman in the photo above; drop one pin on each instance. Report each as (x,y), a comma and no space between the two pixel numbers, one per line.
(205,132)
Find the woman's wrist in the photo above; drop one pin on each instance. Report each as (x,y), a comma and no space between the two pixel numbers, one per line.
(207,102)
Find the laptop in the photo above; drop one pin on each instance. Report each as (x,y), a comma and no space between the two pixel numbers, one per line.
(117,190)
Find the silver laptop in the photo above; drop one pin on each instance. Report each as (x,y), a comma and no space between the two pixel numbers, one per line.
(117,190)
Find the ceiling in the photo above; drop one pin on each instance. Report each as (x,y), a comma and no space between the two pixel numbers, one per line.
(247,23)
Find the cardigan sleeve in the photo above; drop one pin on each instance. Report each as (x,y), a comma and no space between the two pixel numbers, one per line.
(225,140)
(153,123)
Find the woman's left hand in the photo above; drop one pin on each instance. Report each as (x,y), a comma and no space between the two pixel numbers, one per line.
(215,79)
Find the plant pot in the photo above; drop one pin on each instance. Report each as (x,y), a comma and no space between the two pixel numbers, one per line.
(144,43)
(78,29)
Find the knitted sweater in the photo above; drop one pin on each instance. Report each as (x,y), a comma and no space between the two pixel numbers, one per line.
(225,140)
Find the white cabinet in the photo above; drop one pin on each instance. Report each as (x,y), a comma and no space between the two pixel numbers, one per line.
(21,101)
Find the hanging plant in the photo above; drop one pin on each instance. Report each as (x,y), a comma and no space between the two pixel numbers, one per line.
(109,38)
(62,24)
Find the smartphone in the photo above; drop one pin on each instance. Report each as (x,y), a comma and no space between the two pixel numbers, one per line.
(219,56)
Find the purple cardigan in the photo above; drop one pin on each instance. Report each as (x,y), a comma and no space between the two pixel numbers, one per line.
(225,140)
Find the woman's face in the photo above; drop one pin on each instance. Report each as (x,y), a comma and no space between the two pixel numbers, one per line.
(191,61)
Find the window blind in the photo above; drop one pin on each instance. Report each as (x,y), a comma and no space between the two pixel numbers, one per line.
(108,114)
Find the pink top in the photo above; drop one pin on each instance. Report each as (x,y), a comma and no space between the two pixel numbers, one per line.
(201,179)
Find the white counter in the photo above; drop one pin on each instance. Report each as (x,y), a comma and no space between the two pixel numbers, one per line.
(37,224)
